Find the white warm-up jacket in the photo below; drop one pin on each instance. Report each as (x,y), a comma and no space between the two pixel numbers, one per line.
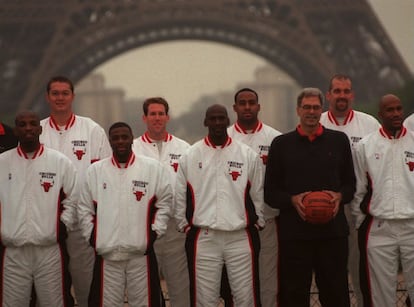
(122,205)
(36,194)
(219,187)
(388,164)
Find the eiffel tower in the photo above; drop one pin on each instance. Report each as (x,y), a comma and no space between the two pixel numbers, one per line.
(308,39)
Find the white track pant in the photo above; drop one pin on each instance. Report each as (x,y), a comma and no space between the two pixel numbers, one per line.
(42,265)
(138,277)
(208,250)
(387,242)
(82,257)
(172,261)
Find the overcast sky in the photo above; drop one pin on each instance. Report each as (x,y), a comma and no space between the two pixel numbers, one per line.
(185,70)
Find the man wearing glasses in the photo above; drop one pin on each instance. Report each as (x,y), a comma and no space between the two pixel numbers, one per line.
(311,158)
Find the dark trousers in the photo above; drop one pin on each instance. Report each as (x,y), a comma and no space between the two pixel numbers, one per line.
(327,258)
(363,262)
(225,290)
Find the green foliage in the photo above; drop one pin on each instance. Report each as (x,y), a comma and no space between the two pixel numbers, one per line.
(405,93)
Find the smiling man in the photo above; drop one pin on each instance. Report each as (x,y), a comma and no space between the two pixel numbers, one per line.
(385,158)
(38,199)
(355,124)
(311,158)
(158,144)
(125,205)
(83,141)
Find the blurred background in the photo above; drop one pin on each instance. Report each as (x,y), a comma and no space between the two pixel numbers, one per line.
(196,53)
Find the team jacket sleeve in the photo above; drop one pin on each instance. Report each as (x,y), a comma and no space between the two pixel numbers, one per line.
(164,201)
(181,196)
(256,189)
(361,185)
(86,207)
(71,191)
(348,173)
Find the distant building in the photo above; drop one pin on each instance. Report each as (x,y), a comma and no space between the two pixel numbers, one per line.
(94,100)
(133,115)
(277,97)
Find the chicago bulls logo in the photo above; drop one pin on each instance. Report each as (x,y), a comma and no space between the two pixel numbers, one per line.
(79,154)
(234,175)
(46,186)
(263,152)
(409,160)
(174,161)
(79,148)
(235,169)
(47,180)
(264,159)
(138,195)
(175,166)
(139,189)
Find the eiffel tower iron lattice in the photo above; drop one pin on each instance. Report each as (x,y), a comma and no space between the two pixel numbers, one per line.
(309,39)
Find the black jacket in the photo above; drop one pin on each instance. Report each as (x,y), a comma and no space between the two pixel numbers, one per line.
(295,165)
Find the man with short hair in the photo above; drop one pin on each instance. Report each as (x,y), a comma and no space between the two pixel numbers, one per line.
(355,124)
(311,158)
(341,116)
(219,205)
(83,141)
(249,130)
(125,205)
(158,144)
(383,203)
(38,199)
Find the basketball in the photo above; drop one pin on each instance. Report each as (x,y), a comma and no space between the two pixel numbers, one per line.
(318,208)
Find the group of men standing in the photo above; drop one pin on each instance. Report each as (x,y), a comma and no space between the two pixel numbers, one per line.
(111,216)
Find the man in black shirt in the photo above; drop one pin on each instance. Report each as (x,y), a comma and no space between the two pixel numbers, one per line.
(311,158)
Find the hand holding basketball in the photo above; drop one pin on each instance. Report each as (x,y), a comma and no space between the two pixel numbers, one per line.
(319,207)
(297,204)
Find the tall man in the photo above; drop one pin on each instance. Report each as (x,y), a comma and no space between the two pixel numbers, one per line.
(219,204)
(258,136)
(125,205)
(385,159)
(83,141)
(157,143)
(311,158)
(38,199)
(355,124)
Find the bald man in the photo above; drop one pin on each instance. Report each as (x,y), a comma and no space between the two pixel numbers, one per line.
(385,159)
(38,198)
(219,205)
